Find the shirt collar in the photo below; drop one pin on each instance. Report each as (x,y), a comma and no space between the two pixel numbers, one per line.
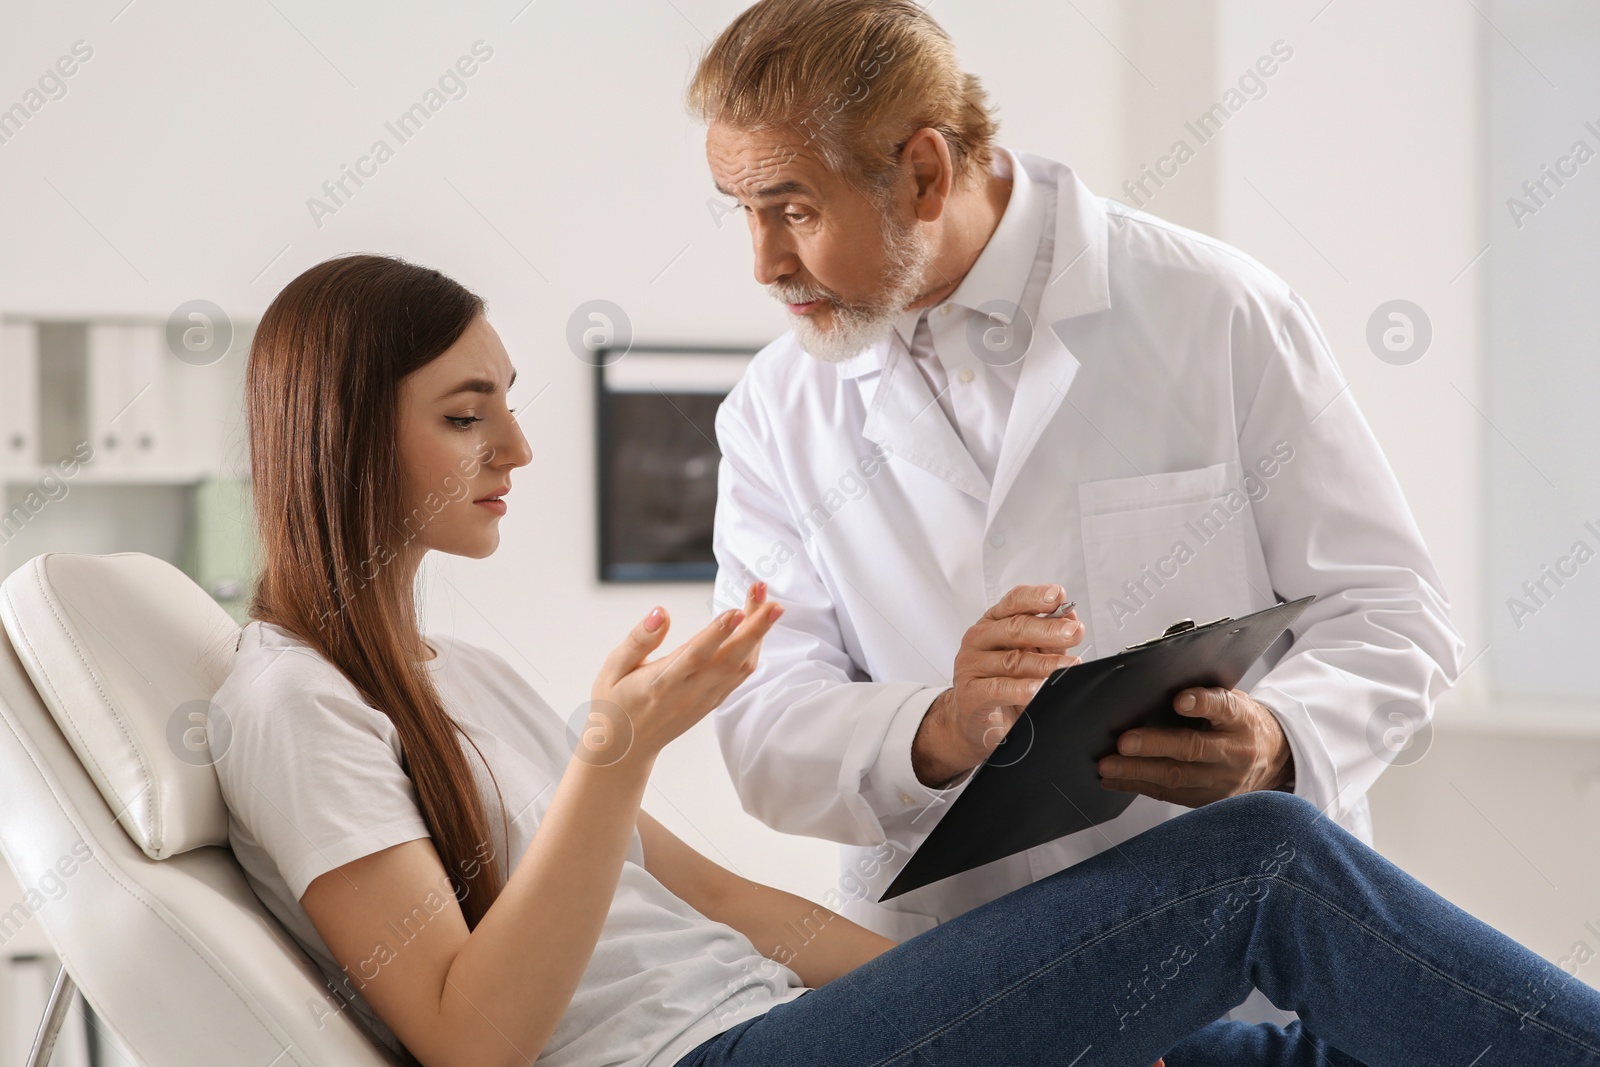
(1080,280)
(1002,268)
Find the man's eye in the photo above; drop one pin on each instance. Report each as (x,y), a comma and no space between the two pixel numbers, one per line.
(462,422)
(796,216)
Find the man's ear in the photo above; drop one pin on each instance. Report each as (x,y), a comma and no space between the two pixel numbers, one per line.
(932,172)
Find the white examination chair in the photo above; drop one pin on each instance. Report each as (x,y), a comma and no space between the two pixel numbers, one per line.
(107,662)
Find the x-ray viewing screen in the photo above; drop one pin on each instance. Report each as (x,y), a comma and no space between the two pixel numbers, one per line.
(658,460)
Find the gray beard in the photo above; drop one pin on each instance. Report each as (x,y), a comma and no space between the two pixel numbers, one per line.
(857,325)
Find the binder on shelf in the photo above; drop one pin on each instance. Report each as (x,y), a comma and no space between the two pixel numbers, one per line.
(104,398)
(127,394)
(19,398)
(145,376)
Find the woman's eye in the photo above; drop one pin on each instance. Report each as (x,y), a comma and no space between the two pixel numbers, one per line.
(462,422)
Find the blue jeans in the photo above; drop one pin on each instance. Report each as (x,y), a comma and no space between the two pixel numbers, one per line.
(1135,953)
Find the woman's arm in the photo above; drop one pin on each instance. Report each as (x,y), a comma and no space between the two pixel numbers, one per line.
(817,944)
(495,994)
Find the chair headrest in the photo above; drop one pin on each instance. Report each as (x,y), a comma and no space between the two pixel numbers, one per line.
(126,652)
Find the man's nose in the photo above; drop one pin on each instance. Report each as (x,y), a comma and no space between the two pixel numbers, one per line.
(775,257)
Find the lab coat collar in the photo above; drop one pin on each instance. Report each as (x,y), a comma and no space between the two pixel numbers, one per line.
(867,361)
(1079,284)
(1080,277)
(1000,273)
(903,416)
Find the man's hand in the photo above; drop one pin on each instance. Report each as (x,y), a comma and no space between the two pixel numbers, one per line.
(1245,750)
(1004,658)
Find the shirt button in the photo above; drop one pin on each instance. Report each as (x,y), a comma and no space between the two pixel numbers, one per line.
(944,309)
(966,374)
(905,798)
(997,539)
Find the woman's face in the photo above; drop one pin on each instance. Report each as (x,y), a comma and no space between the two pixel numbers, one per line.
(458,444)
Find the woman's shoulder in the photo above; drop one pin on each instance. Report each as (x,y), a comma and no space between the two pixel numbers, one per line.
(269,659)
(313,776)
(277,683)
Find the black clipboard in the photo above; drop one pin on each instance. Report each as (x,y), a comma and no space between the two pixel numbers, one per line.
(1040,783)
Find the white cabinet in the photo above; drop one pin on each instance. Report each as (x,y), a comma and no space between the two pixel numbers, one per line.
(111,443)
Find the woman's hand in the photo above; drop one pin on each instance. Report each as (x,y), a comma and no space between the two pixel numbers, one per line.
(640,705)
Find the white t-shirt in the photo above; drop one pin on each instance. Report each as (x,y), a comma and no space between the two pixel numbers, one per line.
(312,778)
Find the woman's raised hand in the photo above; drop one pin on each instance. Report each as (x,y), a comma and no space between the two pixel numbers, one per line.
(643,704)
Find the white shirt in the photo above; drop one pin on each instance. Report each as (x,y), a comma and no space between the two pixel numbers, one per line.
(1180,443)
(971,358)
(312,780)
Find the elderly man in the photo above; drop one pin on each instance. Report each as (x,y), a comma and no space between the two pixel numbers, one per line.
(1003,392)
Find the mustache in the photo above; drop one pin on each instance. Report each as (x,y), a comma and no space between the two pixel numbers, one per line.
(799,293)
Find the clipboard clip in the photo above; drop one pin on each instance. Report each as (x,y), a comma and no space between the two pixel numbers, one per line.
(1181,626)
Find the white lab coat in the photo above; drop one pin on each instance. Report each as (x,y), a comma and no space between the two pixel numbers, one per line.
(1182,394)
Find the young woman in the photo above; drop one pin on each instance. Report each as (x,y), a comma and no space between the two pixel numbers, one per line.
(479,884)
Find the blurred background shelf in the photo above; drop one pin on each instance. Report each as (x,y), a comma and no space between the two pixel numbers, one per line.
(88,475)
(110,441)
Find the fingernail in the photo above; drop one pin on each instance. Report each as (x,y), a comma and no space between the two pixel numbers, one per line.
(1131,744)
(761,590)
(735,617)
(777,612)
(1186,702)
(652,621)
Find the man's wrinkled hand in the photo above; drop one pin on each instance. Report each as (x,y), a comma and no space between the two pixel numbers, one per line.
(1003,660)
(1243,750)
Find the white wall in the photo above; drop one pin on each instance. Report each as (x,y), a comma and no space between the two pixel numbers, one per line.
(179,164)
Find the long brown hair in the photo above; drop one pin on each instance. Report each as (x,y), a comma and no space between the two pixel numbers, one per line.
(322,400)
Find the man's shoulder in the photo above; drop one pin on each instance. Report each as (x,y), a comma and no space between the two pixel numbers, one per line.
(779,360)
(782,375)
(1148,253)
(1150,246)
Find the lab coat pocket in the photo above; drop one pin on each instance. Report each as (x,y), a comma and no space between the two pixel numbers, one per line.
(1162,547)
